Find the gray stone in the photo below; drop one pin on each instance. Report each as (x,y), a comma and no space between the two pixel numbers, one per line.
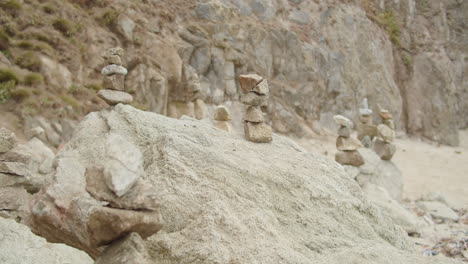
(438,210)
(384,150)
(114,82)
(352,158)
(19,245)
(343,121)
(347,144)
(14,168)
(344,132)
(254,114)
(123,165)
(222,113)
(7,140)
(257,132)
(113,55)
(254,99)
(115,97)
(129,250)
(248,82)
(114,69)
(386,133)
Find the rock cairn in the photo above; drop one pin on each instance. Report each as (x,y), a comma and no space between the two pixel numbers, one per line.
(386,135)
(114,76)
(347,146)
(366,130)
(222,117)
(255,94)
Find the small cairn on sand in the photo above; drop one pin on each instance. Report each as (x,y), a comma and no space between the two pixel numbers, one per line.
(366,130)
(222,117)
(255,94)
(114,75)
(347,146)
(386,135)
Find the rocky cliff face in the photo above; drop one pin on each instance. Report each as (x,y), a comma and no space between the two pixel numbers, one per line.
(320,57)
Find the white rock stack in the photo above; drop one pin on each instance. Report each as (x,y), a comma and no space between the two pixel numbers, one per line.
(114,78)
(255,94)
(347,146)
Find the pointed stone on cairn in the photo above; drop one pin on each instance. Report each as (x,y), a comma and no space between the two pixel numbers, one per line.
(114,78)
(255,94)
(347,146)
(222,117)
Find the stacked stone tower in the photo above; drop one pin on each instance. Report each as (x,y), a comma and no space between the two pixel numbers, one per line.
(384,146)
(366,130)
(114,78)
(347,146)
(255,94)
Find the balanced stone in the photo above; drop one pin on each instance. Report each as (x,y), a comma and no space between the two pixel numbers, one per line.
(384,114)
(114,69)
(257,132)
(14,168)
(114,59)
(389,123)
(344,131)
(343,121)
(254,114)
(262,88)
(366,119)
(367,130)
(114,82)
(7,140)
(249,81)
(384,150)
(115,97)
(254,99)
(352,158)
(386,133)
(343,143)
(222,113)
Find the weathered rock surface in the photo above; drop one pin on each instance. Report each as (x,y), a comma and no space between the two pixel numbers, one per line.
(351,158)
(222,113)
(344,132)
(114,82)
(258,132)
(254,114)
(226,200)
(438,210)
(380,172)
(248,82)
(384,150)
(19,245)
(114,69)
(115,97)
(254,99)
(7,140)
(386,133)
(129,250)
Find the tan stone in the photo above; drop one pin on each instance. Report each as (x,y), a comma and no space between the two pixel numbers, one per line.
(115,97)
(14,168)
(113,55)
(384,150)
(343,121)
(384,114)
(114,82)
(254,99)
(344,132)
(343,143)
(222,113)
(108,224)
(129,250)
(254,114)
(7,140)
(365,119)
(352,158)
(262,88)
(249,81)
(200,109)
(224,125)
(258,132)
(367,130)
(386,133)
(390,123)
(114,59)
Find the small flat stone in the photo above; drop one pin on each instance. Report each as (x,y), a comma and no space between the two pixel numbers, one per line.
(114,82)
(343,121)
(386,133)
(249,81)
(114,69)
(254,114)
(384,114)
(262,88)
(344,132)
(254,99)
(352,158)
(384,150)
(258,132)
(14,168)
(114,97)
(7,140)
(222,113)
(343,143)
(365,111)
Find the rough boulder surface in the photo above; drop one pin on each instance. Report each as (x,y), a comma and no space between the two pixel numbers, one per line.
(226,200)
(20,246)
